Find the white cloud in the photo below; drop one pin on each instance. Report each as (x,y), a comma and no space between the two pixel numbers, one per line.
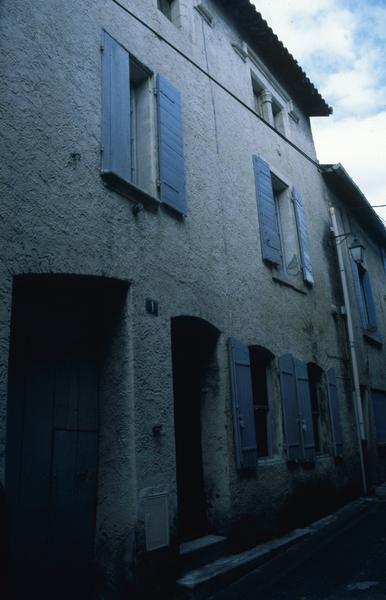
(357,89)
(375,21)
(359,144)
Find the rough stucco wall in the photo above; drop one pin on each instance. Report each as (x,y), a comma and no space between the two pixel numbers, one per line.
(58,217)
(117,491)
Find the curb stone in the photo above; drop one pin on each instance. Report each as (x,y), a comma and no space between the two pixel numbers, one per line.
(285,560)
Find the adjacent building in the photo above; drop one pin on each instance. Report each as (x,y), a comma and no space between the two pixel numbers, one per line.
(174,349)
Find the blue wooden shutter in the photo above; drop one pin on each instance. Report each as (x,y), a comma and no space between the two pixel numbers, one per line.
(358,289)
(365,299)
(267,212)
(371,313)
(170,146)
(383,253)
(305,410)
(304,243)
(379,408)
(334,413)
(115,109)
(243,409)
(290,407)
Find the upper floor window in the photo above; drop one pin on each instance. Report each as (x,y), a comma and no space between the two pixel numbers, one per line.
(168,8)
(365,301)
(268,107)
(283,228)
(278,117)
(130,129)
(140,125)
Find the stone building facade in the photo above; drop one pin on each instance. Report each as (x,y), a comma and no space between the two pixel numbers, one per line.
(357,222)
(174,359)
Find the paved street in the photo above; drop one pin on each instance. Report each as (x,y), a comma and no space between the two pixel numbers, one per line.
(351,564)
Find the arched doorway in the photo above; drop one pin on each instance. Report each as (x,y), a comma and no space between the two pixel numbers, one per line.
(194,371)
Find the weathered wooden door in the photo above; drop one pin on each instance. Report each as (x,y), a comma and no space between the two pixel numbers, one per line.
(52,441)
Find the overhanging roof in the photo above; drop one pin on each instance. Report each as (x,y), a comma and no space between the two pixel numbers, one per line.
(347,190)
(276,56)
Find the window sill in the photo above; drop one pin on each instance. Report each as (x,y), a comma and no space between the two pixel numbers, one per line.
(204,12)
(268,461)
(372,337)
(323,457)
(282,280)
(129,190)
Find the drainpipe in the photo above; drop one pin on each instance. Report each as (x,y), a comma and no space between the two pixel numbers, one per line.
(360,426)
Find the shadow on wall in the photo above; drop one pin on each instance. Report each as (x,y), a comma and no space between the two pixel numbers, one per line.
(308,502)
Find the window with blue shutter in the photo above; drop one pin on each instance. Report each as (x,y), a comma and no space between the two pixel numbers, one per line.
(297,409)
(116,154)
(369,301)
(271,248)
(304,243)
(360,294)
(379,410)
(365,300)
(170,146)
(292,437)
(333,401)
(128,161)
(261,359)
(242,405)
(305,410)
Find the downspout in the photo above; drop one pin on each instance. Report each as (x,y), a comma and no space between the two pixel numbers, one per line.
(360,426)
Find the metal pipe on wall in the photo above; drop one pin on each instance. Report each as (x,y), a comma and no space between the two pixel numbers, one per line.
(360,426)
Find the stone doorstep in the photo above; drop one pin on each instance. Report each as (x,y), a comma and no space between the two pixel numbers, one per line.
(195,553)
(203,582)
(200,543)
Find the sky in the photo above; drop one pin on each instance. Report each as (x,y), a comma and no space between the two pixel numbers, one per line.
(341,45)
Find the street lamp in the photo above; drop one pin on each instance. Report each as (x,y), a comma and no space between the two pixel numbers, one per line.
(357,250)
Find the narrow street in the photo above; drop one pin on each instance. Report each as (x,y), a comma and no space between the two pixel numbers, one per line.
(351,564)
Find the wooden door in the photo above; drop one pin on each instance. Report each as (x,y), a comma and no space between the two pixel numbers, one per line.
(52,442)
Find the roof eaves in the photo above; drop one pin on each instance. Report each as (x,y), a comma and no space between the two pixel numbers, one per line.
(277,56)
(337,176)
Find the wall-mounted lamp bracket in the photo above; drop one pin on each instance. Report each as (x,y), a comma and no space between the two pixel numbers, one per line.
(357,250)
